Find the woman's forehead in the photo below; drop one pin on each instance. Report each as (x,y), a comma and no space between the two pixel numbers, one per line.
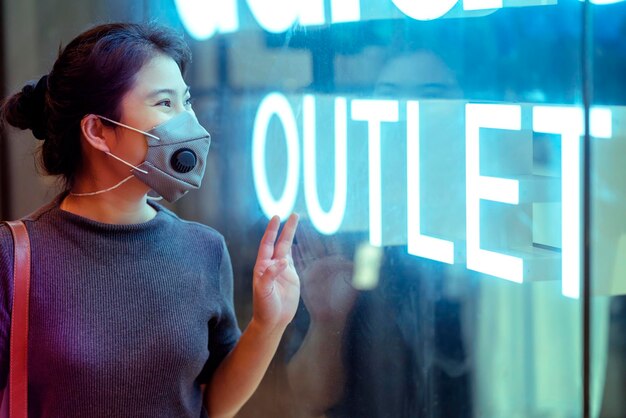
(161,73)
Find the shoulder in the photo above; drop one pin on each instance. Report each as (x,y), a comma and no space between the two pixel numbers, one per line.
(5,233)
(6,265)
(40,214)
(6,245)
(6,237)
(6,241)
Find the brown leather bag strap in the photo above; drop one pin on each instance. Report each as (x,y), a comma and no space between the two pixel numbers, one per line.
(18,357)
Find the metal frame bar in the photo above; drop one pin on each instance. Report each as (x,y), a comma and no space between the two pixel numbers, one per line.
(587,95)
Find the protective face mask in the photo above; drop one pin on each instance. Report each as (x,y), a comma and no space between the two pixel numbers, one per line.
(176,157)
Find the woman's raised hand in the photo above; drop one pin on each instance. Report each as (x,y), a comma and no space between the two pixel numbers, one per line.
(276,286)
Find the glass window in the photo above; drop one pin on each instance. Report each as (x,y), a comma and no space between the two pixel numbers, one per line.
(434,151)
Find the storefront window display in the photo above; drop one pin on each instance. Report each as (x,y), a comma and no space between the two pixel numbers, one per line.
(435,151)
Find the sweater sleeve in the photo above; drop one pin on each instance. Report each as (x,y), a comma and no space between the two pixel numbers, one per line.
(224,331)
(6,294)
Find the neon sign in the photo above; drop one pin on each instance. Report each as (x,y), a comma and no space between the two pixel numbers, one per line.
(429,229)
(205,18)
(377,116)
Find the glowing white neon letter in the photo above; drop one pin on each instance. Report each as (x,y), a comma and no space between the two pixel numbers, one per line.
(325,222)
(375,112)
(277,16)
(568,122)
(275,104)
(203,18)
(312,12)
(345,10)
(488,188)
(424,9)
(418,244)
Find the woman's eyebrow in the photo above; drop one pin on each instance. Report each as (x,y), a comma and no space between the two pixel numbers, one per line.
(166,91)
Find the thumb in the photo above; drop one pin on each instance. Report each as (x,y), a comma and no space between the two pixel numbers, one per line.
(265,283)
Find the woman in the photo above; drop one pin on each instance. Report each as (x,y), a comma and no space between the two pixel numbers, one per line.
(131,311)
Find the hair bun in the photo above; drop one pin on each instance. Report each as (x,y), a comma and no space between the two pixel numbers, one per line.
(34,101)
(26,110)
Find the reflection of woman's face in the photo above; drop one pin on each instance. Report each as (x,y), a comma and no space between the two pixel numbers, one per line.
(158,94)
(421,74)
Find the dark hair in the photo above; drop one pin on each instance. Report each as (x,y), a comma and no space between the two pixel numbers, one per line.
(91,75)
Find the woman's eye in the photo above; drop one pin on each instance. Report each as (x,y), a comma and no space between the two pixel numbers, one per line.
(189,101)
(167,103)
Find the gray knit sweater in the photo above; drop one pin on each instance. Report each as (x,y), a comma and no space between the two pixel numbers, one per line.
(125,320)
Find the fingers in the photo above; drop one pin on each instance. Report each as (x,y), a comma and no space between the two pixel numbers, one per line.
(269,248)
(266,249)
(283,246)
(266,281)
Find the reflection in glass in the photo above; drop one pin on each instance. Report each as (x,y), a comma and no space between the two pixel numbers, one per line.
(388,102)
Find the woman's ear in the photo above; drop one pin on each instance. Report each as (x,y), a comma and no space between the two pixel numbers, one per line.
(93,131)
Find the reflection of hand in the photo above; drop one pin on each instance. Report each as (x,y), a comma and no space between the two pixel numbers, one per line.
(325,276)
(326,289)
(316,371)
(276,286)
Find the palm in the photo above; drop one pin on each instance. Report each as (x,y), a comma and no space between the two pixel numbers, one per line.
(276,290)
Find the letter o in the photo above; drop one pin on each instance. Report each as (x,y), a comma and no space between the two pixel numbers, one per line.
(275,104)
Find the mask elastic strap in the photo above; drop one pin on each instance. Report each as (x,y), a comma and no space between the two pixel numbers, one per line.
(118,184)
(127,163)
(104,190)
(129,127)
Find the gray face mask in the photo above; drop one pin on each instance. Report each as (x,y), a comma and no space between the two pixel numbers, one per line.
(176,158)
